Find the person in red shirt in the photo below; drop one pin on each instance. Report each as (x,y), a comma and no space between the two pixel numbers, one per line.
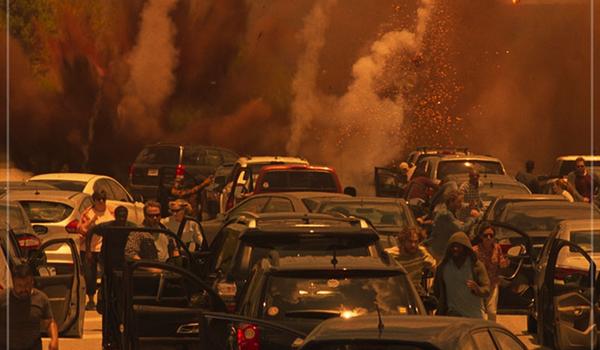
(584,183)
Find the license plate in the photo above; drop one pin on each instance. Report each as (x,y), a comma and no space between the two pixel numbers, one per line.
(152,172)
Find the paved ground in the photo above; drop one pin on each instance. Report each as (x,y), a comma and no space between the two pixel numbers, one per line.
(92,339)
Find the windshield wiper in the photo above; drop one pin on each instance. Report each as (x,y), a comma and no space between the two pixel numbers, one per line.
(313,313)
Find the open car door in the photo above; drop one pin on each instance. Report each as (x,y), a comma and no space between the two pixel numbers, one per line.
(163,307)
(516,280)
(59,274)
(569,319)
(388,183)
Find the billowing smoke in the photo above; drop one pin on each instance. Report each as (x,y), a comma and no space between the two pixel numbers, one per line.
(151,81)
(363,127)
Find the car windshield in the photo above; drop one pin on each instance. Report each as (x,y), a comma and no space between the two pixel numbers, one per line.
(366,345)
(65,185)
(489,192)
(452,167)
(195,155)
(16,220)
(278,181)
(588,240)
(159,155)
(315,247)
(39,211)
(382,213)
(542,218)
(317,296)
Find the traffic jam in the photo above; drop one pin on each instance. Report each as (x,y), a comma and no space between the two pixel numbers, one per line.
(306,175)
(279,255)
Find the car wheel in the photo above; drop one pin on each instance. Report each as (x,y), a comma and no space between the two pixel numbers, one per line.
(531,325)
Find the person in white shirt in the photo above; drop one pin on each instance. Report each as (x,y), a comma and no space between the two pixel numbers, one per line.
(190,234)
(560,187)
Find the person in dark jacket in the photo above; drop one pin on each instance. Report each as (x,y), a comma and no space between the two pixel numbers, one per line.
(461,282)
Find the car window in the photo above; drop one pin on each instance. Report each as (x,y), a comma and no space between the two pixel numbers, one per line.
(587,240)
(118,191)
(277,205)
(299,180)
(16,219)
(568,166)
(506,341)
(39,211)
(254,205)
(483,340)
(227,250)
(312,296)
(452,167)
(102,185)
(75,186)
(158,155)
(229,157)
(85,203)
(378,213)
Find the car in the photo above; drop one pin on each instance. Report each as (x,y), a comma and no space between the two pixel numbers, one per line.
(296,202)
(301,292)
(250,237)
(157,165)
(529,223)
(19,223)
(297,178)
(386,332)
(424,151)
(61,280)
(565,276)
(53,213)
(564,165)
(388,215)
(240,182)
(493,211)
(88,183)
(493,185)
(439,167)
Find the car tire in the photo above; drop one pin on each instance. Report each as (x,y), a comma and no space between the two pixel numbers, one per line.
(531,325)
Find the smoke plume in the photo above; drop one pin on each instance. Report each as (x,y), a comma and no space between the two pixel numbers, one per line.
(151,80)
(363,127)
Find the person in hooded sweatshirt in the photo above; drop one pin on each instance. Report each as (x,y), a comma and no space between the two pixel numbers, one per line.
(461,282)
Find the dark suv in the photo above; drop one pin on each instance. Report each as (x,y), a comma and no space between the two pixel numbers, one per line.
(301,292)
(245,240)
(160,163)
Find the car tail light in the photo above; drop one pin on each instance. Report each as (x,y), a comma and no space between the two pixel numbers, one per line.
(28,242)
(247,337)
(227,292)
(72,226)
(180,170)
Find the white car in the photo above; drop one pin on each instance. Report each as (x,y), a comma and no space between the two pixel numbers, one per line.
(244,174)
(586,234)
(116,194)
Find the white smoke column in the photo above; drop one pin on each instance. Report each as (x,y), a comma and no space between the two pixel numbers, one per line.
(362,128)
(151,64)
(307,102)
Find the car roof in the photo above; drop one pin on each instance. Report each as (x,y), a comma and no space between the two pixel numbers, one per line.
(248,160)
(320,263)
(452,157)
(83,177)
(309,194)
(70,197)
(549,204)
(580,224)
(573,157)
(171,144)
(532,197)
(441,331)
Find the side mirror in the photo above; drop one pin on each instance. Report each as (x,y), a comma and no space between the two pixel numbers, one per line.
(39,229)
(349,190)
(515,252)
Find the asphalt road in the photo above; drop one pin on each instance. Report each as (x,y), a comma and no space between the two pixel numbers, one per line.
(92,338)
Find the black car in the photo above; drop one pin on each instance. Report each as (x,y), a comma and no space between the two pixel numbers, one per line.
(160,163)
(249,238)
(57,272)
(301,292)
(388,215)
(375,332)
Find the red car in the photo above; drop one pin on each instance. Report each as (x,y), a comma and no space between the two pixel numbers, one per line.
(292,178)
